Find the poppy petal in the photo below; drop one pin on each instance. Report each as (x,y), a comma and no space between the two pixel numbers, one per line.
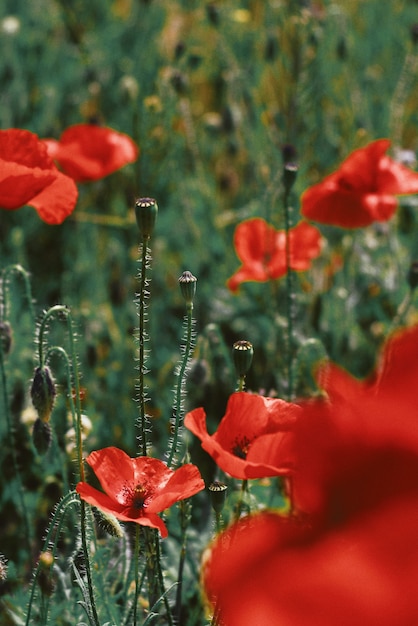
(185,482)
(114,470)
(57,201)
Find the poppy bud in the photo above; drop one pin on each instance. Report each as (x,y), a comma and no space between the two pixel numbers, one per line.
(41,436)
(5,337)
(146,210)
(43,392)
(108,522)
(413,275)
(242,353)
(218,496)
(45,582)
(187,284)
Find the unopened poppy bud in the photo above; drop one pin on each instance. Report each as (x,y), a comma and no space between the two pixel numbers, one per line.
(413,275)
(41,436)
(187,284)
(43,392)
(5,337)
(146,210)
(218,496)
(108,523)
(242,352)
(45,581)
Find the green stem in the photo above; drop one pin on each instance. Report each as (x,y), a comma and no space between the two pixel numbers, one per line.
(61,309)
(243,493)
(178,404)
(136,561)
(56,524)
(141,357)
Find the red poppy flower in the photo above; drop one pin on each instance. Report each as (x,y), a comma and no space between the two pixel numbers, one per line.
(136,489)
(251,440)
(29,176)
(351,557)
(89,152)
(361,191)
(262,250)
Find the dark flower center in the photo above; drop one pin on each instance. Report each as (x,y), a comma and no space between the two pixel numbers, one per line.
(241,447)
(139,495)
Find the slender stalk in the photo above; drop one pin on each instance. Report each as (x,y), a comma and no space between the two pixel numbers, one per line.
(141,357)
(178,404)
(61,309)
(56,524)
(184,508)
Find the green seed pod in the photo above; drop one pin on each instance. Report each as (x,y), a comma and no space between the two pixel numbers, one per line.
(146,210)
(242,353)
(217,492)
(43,393)
(187,284)
(41,436)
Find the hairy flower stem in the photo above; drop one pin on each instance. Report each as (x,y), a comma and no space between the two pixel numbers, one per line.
(141,357)
(63,310)
(155,579)
(51,545)
(184,509)
(289,296)
(178,404)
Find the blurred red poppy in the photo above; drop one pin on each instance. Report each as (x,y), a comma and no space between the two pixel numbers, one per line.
(252,439)
(351,554)
(29,176)
(136,489)
(361,191)
(89,152)
(262,250)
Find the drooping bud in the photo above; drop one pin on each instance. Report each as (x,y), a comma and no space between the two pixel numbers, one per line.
(41,436)
(187,284)
(217,492)
(108,523)
(43,393)
(5,337)
(242,353)
(412,277)
(146,210)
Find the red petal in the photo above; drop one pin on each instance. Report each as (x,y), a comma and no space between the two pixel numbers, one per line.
(24,148)
(394,178)
(115,471)
(19,184)
(183,483)
(57,201)
(88,152)
(253,239)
